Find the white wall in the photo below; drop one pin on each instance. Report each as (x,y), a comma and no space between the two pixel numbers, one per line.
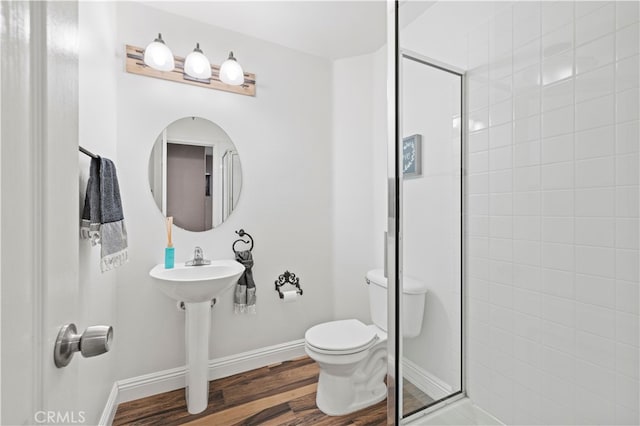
(553,213)
(283,136)
(97,133)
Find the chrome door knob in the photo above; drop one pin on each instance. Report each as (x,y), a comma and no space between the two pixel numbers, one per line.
(94,341)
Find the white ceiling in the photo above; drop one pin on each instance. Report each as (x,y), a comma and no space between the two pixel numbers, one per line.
(330,29)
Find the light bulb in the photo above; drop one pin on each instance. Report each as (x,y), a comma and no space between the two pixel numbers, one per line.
(197,65)
(231,72)
(158,56)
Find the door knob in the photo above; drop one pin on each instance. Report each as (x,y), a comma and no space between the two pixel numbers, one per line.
(95,340)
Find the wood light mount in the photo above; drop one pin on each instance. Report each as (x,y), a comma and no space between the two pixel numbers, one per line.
(136,65)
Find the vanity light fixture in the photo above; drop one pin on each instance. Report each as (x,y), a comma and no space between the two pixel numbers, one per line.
(231,72)
(158,56)
(197,65)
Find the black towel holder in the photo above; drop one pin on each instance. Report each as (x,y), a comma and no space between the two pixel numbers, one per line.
(241,234)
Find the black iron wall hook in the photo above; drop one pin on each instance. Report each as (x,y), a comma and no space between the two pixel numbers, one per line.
(241,234)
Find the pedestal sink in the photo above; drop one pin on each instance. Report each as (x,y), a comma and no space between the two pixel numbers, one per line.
(196,286)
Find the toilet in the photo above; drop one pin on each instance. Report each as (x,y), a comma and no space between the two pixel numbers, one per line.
(352,356)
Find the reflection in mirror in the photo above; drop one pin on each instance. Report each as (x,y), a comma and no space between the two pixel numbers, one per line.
(195,174)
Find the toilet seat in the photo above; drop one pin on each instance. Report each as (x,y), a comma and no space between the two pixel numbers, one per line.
(340,337)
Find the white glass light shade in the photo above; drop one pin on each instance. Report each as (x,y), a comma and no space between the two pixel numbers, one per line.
(158,56)
(231,72)
(197,65)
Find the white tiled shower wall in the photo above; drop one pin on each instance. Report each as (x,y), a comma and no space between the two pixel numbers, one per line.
(553,213)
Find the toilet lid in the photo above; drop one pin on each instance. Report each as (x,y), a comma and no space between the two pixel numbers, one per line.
(339,336)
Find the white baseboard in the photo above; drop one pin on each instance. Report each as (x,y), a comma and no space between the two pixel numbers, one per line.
(433,386)
(168,380)
(110,407)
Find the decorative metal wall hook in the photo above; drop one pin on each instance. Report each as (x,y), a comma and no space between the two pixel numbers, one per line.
(241,234)
(288,278)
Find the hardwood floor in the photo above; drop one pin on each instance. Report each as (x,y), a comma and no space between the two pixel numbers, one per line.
(280,394)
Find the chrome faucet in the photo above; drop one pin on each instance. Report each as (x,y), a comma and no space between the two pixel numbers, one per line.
(198,258)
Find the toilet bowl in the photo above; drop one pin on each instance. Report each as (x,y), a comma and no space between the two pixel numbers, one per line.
(352,356)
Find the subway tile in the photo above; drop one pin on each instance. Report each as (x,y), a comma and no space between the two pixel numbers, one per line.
(478,246)
(596,320)
(595,54)
(501,181)
(627,328)
(501,295)
(528,302)
(595,172)
(526,178)
(558,67)
(557,176)
(627,360)
(557,95)
(558,364)
(526,55)
(598,261)
(500,90)
(526,203)
(557,336)
(598,202)
(599,291)
(557,149)
(500,135)
(526,18)
(627,137)
(500,158)
(527,129)
(501,271)
(500,113)
(627,169)
(587,7)
(478,268)
(558,122)
(627,74)
(592,409)
(500,67)
(593,143)
(501,204)
(627,232)
(526,252)
(500,249)
(558,203)
(478,184)
(527,326)
(596,83)
(595,113)
(526,350)
(596,24)
(558,283)
(626,201)
(627,265)
(478,54)
(627,296)
(556,14)
(555,388)
(557,412)
(479,162)
(627,40)
(628,105)
(500,33)
(595,349)
(526,104)
(478,97)
(627,392)
(558,256)
(478,120)
(557,230)
(595,378)
(595,231)
(527,277)
(557,41)
(526,228)
(527,154)
(627,13)
(559,310)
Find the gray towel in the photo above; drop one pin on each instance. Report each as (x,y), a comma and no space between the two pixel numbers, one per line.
(102,217)
(244,300)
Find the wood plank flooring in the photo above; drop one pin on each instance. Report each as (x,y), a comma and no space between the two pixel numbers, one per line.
(280,394)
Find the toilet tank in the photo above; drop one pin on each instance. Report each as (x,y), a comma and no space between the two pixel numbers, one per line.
(413,297)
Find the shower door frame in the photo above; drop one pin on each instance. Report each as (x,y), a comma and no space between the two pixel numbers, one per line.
(395,217)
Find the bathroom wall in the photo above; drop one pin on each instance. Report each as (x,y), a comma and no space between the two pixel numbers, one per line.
(97,133)
(283,136)
(553,213)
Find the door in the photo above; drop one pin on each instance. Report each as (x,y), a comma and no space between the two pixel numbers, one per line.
(38,209)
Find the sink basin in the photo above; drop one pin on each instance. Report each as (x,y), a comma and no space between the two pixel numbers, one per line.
(194,284)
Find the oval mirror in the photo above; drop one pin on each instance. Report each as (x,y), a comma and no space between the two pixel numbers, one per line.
(195,174)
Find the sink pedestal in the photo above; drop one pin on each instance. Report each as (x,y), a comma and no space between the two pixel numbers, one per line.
(197,327)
